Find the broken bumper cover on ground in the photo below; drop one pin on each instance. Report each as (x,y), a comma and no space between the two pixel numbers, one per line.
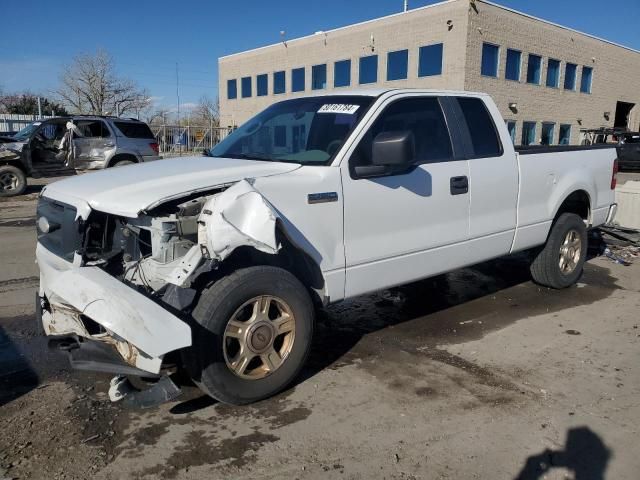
(89,303)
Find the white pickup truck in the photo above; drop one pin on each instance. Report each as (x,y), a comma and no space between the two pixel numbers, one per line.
(216,264)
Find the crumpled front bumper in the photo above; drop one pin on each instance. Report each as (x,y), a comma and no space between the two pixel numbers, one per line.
(89,303)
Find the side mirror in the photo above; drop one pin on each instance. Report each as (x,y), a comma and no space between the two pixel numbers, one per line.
(392,153)
(393,149)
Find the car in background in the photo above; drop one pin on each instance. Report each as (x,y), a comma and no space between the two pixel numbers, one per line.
(629,151)
(65,145)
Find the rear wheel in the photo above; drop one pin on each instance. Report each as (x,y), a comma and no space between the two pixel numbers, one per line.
(253,335)
(13,181)
(559,264)
(122,163)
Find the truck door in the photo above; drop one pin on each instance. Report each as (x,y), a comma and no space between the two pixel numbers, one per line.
(493,176)
(400,228)
(92,141)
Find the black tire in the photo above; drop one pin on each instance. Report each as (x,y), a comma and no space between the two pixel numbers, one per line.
(205,361)
(13,181)
(122,163)
(545,268)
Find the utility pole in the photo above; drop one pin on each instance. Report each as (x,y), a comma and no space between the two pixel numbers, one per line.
(406,5)
(178,101)
(39,109)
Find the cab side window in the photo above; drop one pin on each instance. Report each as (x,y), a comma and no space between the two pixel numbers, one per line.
(421,116)
(484,135)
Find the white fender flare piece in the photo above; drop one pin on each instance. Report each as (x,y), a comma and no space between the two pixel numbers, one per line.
(121,310)
(239,216)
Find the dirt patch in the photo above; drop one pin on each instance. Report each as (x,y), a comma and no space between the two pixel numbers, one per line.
(18,222)
(18,284)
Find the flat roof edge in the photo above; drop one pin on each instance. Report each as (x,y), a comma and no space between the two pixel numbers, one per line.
(548,22)
(425,7)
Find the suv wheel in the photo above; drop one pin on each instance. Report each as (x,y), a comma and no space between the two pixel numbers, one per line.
(13,181)
(253,335)
(122,163)
(559,264)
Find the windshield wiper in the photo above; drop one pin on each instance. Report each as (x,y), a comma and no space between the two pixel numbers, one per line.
(245,156)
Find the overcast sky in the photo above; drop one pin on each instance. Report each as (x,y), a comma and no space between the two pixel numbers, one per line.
(147,38)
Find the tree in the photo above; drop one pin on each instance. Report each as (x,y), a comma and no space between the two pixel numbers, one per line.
(207,112)
(27,104)
(90,85)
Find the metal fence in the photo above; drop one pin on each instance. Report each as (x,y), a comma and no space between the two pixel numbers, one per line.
(175,140)
(12,122)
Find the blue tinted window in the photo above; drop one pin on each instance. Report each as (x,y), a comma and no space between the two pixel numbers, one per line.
(342,73)
(430,60)
(232,89)
(585,83)
(319,77)
(397,65)
(565,135)
(512,71)
(246,87)
(548,129)
(570,76)
(528,133)
(369,69)
(490,55)
(278,82)
(262,85)
(553,73)
(297,80)
(534,69)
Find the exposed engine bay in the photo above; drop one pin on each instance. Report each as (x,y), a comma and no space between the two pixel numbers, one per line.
(164,250)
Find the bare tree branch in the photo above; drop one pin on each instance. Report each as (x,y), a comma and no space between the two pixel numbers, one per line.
(90,85)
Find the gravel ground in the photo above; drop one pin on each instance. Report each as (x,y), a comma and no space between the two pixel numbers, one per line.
(475,374)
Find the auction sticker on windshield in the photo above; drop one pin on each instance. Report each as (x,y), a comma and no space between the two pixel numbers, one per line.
(339,108)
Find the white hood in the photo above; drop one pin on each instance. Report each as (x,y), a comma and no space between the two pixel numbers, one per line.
(126,191)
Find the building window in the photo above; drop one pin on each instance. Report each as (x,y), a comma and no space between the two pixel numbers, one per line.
(534,69)
(570,76)
(397,65)
(528,133)
(430,60)
(585,82)
(553,73)
(297,79)
(369,69)
(548,130)
(279,82)
(490,55)
(511,127)
(319,77)
(262,85)
(565,135)
(232,89)
(280,136)
(342,73)
(514,59)
(245,85)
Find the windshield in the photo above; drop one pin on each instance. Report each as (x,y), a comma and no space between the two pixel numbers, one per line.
(309,131)
(26,132)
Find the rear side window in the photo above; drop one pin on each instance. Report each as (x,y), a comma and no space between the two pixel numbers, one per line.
(93,128)
(421,116)
(484,136)
(135,130)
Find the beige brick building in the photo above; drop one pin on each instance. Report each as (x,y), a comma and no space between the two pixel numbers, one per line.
(549,81)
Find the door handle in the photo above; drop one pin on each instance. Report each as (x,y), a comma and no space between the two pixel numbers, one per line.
(459,185)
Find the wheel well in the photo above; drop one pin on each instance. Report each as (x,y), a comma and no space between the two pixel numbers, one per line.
(122,156)
(579,203)
(289,257)
(18,165)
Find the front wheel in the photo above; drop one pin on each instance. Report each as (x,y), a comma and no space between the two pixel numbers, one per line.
(252,335)
(559,264)
(13,181)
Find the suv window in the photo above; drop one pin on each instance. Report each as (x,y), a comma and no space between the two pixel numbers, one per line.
(423,117)
(134,129)
(93,128)
(484,136)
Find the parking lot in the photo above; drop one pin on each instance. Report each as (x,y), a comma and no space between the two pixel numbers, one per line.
(475,374)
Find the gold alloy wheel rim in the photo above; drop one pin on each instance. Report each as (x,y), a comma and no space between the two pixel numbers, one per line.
(259,337)
(570,251)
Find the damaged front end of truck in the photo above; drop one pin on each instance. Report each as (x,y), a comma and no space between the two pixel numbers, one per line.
(116,291)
